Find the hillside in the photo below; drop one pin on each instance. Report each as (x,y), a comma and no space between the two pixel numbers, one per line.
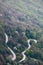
(32,8)
(21,32)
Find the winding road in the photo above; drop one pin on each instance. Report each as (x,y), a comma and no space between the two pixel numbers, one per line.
(23,53)
(29,46)
(14,55)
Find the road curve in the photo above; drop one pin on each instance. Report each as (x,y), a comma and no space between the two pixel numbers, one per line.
(14,55)
(29,46)
(23,53)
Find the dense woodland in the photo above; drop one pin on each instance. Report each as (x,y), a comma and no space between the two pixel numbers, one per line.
(21,20)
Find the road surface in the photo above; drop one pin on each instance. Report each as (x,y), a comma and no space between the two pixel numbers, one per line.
(14,55)
(29,46)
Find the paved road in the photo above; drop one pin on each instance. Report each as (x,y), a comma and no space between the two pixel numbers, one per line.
(14,55)
(23,53)
(29,46)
